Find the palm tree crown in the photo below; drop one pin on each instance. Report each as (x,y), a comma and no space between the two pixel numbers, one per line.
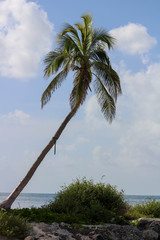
(82,49)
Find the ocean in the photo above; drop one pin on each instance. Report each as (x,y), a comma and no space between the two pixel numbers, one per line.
(28,200)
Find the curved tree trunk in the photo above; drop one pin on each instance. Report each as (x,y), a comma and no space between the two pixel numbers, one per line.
(6,204)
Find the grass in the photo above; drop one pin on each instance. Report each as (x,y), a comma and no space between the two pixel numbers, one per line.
(150,208)
(12,226)
(47,216)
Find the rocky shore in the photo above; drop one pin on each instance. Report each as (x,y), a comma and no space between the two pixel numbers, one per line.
(146,229)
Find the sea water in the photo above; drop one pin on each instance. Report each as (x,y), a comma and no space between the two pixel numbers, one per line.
(28,200)
(134,199)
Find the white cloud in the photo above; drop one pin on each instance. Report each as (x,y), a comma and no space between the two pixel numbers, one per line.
(140,145)
(143,89)
(140,139)
(133,39)
(25,36)
(93,113)
(16,117)
(102,157)
(136,134)
(144,58)
(74,146)
(94,116)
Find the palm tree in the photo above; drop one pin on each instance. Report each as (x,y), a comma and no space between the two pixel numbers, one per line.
(82,49)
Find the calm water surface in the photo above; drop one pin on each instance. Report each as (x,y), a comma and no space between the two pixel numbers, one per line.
(28,200)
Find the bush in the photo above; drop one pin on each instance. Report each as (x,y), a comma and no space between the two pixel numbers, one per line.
(43,214)
(82,202)
(150,208)
(13,226)
(96,201)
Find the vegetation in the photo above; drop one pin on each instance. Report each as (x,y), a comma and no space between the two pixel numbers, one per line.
(45,215)
(150,208)
(81,202)
(85,196)
(13,226)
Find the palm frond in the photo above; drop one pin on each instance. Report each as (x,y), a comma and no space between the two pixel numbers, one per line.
(102,38)
(105,100)
(87,19)
(49,62)
(54,84)
(109,78)
(69,29)
(67,44)
(81,28)
(54,61)
(99,55)
(85,29)
(81,84)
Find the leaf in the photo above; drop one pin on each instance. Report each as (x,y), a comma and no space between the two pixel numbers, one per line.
(106,102)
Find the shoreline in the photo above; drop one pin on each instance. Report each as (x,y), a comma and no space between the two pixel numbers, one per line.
(146,229)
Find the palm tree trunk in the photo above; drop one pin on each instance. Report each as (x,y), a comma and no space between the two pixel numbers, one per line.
(7,203)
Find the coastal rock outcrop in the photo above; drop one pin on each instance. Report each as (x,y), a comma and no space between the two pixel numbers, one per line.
(146,229)
(149,225)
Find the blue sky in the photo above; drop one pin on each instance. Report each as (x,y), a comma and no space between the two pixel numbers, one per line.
(127,152)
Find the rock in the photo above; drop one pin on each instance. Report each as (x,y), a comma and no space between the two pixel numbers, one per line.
(97,237)
(52,231)
(144,223)
(29,238)
(147,229)
(150,224)
(150,235)
(124,232)
(155,225)
(85,237)
(4,238)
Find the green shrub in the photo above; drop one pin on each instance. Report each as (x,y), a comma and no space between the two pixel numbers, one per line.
(95,214)
(45,215)
(13,226)
(150,208)
(82,202)
(93,200)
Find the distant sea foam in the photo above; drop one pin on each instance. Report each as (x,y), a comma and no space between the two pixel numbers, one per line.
(28,200)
